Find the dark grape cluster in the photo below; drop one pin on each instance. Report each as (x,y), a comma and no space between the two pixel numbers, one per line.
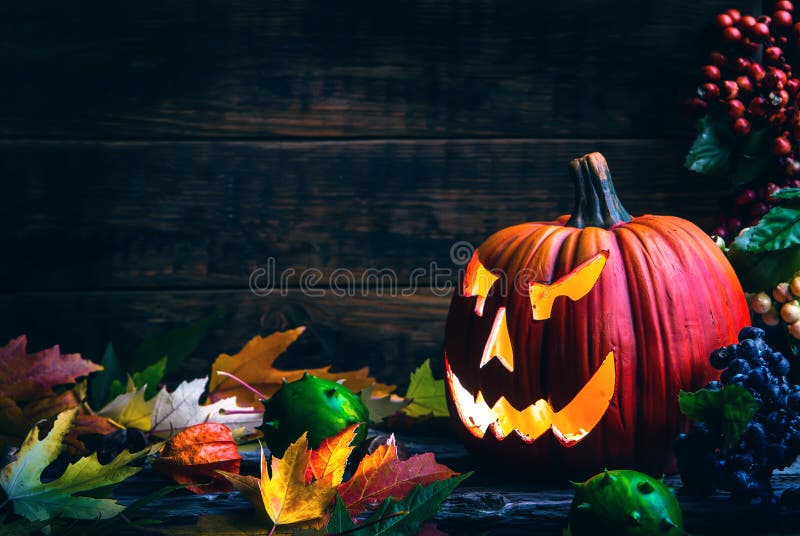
(770,441)
(749,81)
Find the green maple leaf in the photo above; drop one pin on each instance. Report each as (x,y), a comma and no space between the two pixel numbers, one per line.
(150,376)
(426,394)
(397,518)
(21,479)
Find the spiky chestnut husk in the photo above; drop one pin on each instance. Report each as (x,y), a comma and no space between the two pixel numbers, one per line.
(320,407)
(624,502)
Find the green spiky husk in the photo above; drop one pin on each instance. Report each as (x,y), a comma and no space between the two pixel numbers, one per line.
(320,407)
(624,502)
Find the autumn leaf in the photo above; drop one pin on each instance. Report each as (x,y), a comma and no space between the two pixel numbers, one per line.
(254,365)
(194,455)
(426,394)
(330,459)
(180,409)
(381,404)
(151,376)
(26,376)
(38,502)
(397,518)
(130,409)
(286,495)
(383,474)
(17,418)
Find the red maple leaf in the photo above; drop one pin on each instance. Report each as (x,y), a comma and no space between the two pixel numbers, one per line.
(25,376)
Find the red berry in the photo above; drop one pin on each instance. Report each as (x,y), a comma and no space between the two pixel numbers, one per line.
(760,30)
(720,231)
(766,19)
(750,46)
(784,5)
(775,78)
(782,19)
(769,192)
(708,91)
(773,54)
(756,72)
(782,40)
(758,209)
(796,30)
(698,106)
(758,107)
(747,22)
(741,127)
(735,14)
(731,35)
(778,119)
(776,98)
(744,83)
(718,59)
(723,20)
(792,85)
(710,72)
(792,167)
(735,108)
(779,147)
(733,225)
(742,64)
(745,197)
(729,89)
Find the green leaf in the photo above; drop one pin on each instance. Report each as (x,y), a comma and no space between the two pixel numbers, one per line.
(151,376)
(340,519)
(426,394)
(417,507)
(757,271)
(754,157)
(101,382)
(787,193)
(778,229)
(710,153)
(176,345)
(728,410)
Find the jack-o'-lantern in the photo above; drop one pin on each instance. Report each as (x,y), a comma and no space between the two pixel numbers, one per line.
(568,344)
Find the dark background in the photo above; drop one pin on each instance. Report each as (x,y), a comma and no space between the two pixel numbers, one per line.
(154,153)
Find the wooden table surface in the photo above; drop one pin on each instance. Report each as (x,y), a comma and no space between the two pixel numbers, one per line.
(488,503)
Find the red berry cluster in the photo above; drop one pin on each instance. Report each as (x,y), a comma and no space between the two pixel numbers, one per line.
(755,94)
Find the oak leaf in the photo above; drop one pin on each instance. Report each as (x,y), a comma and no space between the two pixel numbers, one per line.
(39,502)
(254,365)
(382,474)
(426,394)
(27,376)
(286,493)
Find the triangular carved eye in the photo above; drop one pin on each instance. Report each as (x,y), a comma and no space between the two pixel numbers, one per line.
(574,285)
(477,282)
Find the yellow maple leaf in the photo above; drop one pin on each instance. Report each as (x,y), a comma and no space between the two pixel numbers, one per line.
(254,365)
(302,484)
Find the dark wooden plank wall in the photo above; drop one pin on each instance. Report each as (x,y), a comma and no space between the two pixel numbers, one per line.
(152,154)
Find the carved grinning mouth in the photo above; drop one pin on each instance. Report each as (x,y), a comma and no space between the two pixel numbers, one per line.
(570,424)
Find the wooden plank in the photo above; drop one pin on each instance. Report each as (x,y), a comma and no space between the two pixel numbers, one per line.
(330,69)
(391,335)
(133,215)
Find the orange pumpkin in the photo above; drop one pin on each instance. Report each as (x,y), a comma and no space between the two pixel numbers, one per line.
(568,344)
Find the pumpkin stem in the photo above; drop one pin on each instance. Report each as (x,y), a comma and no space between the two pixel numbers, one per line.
(596,202)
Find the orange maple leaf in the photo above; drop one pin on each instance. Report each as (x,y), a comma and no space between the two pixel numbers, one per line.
(254,365)
(383,474)
(286,493)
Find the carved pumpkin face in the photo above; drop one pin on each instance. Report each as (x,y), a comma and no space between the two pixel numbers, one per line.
(568,344)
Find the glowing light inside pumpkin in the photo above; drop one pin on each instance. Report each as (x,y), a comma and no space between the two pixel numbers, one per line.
(499,343)
(570,425)
(575,285)
(477,282)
